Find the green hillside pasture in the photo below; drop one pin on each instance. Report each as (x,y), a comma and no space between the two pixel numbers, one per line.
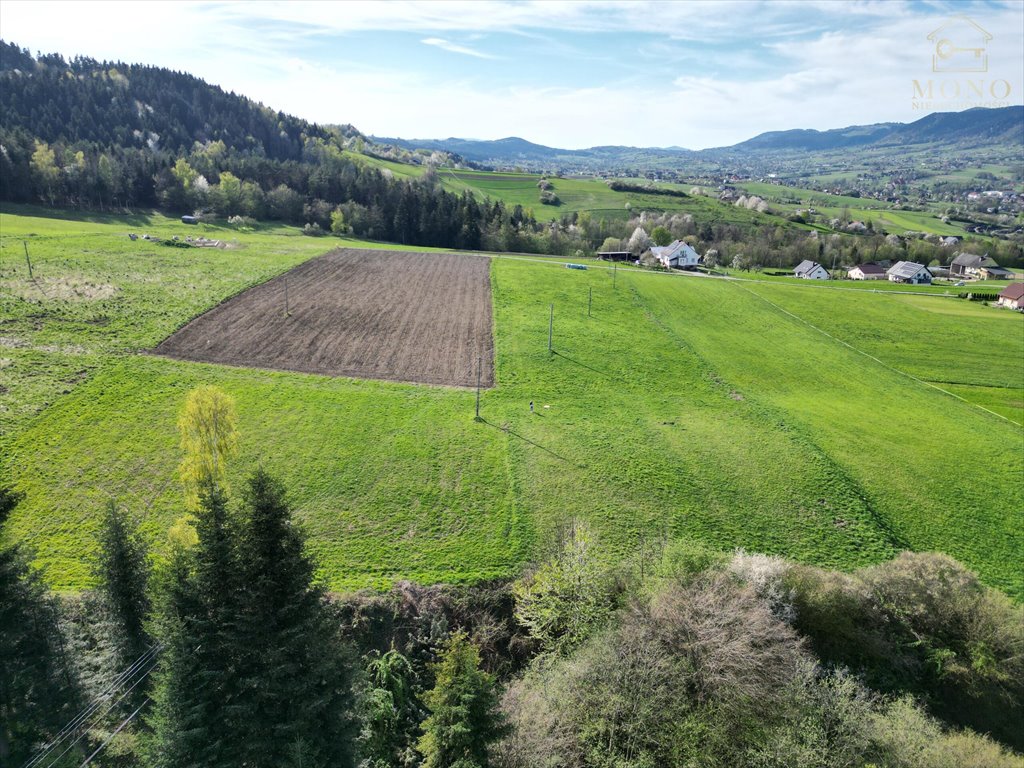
(898,222)
(389,480)
(804,197)
(633,433)
(397,481)
(400,170)
(578,195)
(879,212)
(681,407)
(943,341)
(96,293)
(939,473)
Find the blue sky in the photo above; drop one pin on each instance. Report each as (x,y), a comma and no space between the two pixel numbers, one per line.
(568,74)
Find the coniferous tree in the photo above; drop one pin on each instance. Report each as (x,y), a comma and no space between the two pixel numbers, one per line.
(294,687)
(252,672)
(39,692)
(123,574)
(196,684)
(178,716)
(464,717)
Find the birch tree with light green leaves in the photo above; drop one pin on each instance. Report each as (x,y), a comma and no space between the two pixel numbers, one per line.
(208,425)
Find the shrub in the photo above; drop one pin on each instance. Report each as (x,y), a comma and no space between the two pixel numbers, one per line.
(549,198)
(922,624)
(242,222)
(568,597)
(691,676)
(313,230)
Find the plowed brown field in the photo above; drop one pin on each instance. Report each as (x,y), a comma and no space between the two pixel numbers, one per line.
(419,317)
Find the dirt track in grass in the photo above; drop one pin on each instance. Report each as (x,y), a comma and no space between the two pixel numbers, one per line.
(416,317)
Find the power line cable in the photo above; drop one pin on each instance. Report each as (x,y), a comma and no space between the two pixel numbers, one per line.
(88,711)
(103,714)
(117,730)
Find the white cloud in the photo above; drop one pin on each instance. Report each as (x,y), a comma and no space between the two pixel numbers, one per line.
(855,69)
(455,48)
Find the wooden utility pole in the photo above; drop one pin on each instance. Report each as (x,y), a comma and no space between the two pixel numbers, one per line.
(479,368)
(28,260)
(551,325)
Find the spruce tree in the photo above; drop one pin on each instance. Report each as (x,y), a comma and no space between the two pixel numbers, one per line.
(123,575)
(294,695)
(198,619)
(464,717)
(39,692)
(179,713)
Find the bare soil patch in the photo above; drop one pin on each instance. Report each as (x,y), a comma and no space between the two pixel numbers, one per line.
(418,317)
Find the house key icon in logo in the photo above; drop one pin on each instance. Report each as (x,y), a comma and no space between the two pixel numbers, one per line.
(960,46)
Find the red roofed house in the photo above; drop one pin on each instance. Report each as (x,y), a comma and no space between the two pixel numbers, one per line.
(1012,296)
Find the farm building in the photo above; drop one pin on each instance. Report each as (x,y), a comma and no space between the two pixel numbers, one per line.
(677,254)
(971,265)
(811,270)
(1012,296)
(909,272)
(995,273)
(615,255)
(866,272)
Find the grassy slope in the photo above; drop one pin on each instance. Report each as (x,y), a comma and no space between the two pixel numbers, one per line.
(578,195)
(666,416)
(97,294)
(863,209)
(939,473)
(946,342)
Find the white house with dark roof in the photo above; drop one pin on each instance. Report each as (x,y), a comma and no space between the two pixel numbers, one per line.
(676,254)
(867,272)
(909,272)
(811,270)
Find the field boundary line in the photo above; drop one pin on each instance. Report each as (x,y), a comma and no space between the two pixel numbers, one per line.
(872,357)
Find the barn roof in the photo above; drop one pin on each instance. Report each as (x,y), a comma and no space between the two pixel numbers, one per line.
(973,260)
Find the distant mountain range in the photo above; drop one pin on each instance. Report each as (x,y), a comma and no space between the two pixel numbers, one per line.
(972,127)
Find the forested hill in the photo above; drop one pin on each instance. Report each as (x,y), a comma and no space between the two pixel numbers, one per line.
(89,134)
(971,127)
(128,105)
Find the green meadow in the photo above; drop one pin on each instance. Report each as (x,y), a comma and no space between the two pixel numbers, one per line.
(735,413)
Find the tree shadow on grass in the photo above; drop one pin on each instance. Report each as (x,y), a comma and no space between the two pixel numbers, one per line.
(509,431)
(583,365)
